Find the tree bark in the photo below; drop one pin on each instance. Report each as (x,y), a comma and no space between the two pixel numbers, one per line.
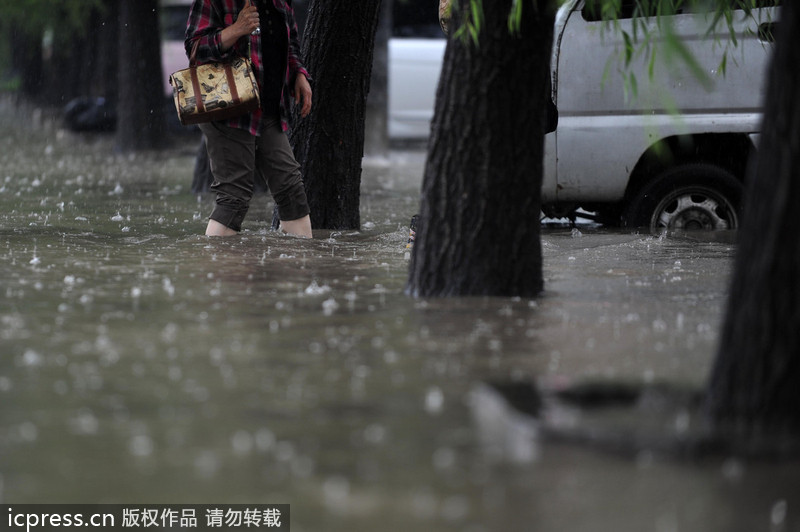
(107,43)
(376,141)
(329,143)
(478,230)
(141,122)
(26,60)
(754,390)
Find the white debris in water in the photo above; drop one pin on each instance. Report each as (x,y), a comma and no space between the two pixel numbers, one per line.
(141,445)
(117,190)
(168,287)
(778,514)
(733,470)
(242,442)
(336,493)
(682,422)
(206,464)
(117,218)
(375,433)
(31,358)
(28,431)
(315,289)
(350,297)
(434,400)
(264,439)
(576,233)
(136,292)
(444,458)
(455,508)
(84,423)
(368,225)
(659,325)
(329,306)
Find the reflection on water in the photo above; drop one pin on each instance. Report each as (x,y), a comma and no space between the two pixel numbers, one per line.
(144,363)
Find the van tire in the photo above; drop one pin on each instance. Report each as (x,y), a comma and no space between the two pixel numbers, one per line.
(695,196)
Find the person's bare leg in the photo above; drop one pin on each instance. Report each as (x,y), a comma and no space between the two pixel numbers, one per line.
(217,229)
(300,227)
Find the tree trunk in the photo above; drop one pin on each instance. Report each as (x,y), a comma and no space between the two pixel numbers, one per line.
(26,60)
(107,43)
(754,390)
(329,143)
(376,142)
(141,123)
(478,230)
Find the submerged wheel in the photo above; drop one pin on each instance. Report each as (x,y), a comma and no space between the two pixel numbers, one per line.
(691,197)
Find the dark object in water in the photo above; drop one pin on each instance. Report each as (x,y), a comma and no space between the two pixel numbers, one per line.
(90,114)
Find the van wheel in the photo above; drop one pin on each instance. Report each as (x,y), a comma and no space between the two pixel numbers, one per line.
(687,198)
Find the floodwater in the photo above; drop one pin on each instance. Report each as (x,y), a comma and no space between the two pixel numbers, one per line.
(144,363)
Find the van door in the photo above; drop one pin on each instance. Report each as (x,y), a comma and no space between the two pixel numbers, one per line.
(604,129)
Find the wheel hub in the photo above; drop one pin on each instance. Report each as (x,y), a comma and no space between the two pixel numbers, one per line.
(694,211)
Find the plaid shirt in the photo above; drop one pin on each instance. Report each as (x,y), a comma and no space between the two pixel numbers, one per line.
(207,18)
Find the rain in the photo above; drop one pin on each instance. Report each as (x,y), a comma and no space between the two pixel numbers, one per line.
(143,362)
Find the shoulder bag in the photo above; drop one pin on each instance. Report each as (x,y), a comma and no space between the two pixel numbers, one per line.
(214,91)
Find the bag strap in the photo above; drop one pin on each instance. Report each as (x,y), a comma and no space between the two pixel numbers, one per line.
(198,98)
(231,79)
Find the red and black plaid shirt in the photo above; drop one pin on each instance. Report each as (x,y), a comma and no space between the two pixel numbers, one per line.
(207,18)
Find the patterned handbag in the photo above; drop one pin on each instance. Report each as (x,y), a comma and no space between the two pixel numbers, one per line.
(214,91)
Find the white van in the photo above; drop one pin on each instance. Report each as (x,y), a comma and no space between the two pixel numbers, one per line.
(416,51)
(635,161)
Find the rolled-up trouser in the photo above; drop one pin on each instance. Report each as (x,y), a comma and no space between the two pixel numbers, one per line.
(237,157)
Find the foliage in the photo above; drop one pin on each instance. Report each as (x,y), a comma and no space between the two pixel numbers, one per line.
(36,15)
(649,15)
(641,40)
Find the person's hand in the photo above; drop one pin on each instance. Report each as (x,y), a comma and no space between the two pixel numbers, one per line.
(247,21)
(302,94)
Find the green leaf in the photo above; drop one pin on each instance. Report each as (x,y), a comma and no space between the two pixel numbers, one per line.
(629,48)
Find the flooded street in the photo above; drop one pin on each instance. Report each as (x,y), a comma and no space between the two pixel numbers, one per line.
(144,363)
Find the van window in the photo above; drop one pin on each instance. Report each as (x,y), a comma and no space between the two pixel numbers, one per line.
(593,9)
(416,18)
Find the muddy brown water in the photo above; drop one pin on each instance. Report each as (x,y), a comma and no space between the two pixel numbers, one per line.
(144,363)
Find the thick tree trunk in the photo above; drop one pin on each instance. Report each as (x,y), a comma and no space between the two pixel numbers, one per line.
(329,143)
(107,44)
(754,389)
(141,123)
(478,232)
(376,141)
(26,60)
